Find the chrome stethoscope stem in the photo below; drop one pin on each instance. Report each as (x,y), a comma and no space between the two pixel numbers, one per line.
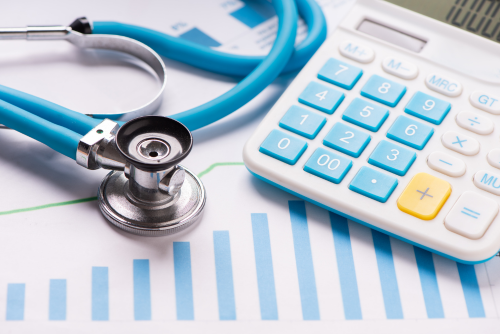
(35,33)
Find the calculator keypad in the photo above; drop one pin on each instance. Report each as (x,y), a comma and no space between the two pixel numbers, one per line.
(410,132)
(321,97)
(328,165)
(393,158)
(446,164)
(428,108)
(373,184)
(347,139)
(383,90)
(365,114)
(282,146)
(340,74)
(460,143)
(475,122)
(303,122)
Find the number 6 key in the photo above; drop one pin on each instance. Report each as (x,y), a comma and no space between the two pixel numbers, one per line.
(410,132)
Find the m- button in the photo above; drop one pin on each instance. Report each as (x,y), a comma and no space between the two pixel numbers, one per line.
(424,196)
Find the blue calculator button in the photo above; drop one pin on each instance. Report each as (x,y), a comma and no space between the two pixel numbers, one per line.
(283,147)
(347,140)
(321,97)
(339,73)
(384,91)
(373,184)
(328,165)
(365,114)
(428,108)
(410,132)
(393,158)
(302,122)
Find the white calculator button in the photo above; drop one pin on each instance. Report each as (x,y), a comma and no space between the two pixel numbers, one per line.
(475,122)
(471,215)
(357,52)
(446,164)
(488,181)
(400,68)
(494,157)
(444,85)
(460,143)
(486,102)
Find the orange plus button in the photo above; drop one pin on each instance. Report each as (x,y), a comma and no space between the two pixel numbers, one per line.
(424,196)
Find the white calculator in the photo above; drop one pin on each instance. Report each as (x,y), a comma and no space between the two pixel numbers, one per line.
(395,124)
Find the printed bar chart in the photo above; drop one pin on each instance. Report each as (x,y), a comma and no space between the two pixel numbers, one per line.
(266,284)
(195,35)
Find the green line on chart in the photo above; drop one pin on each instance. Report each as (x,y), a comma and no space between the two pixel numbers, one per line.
(90,199)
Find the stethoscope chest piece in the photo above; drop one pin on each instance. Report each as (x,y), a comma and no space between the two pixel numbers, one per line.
(153,195)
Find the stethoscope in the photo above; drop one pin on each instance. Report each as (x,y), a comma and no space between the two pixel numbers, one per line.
(147,191)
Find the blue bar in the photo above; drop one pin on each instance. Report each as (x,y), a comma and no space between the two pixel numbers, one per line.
(387,273)
(195,35)
(15,301)
(264,265)
(57,299)
(428,279)
(100,294)
(183,281)
(224,273)
(345,263)
(303,258)
(248,16)
(142,290)
(472,294)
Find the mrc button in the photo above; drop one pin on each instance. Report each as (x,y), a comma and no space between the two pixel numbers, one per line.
(444,85)
(488,181)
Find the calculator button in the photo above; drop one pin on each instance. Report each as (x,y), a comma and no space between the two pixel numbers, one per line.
(424,196)
(347,140)
(471,215)
(283,147)
(357,52)
(410,132)
(428,108)
(487,181)
(446,164)
(393,158)
(339,73)
(493,157)
(384,91)
(486,102)
(328,165)
(321,97)
(373,184)
(400,68)
(460,143)
(302,122)
(443,85)
(474,122)
(365,114)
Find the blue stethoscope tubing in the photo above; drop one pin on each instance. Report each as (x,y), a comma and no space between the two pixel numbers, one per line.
(61,128)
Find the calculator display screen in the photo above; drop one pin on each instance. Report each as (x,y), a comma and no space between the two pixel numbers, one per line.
(480,17)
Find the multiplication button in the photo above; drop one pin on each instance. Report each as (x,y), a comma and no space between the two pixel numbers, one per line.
(471,215)
(283,147)
(328,165)
(460,143)
(373,184)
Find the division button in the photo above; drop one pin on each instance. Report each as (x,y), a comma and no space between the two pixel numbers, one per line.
(460,143)
(471,215)
(487,181)
(475,122)
(357,52)
(373,184)
(424,196)
(493,157)
(400,68)
(443,85)
(486,102)
(446,164)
